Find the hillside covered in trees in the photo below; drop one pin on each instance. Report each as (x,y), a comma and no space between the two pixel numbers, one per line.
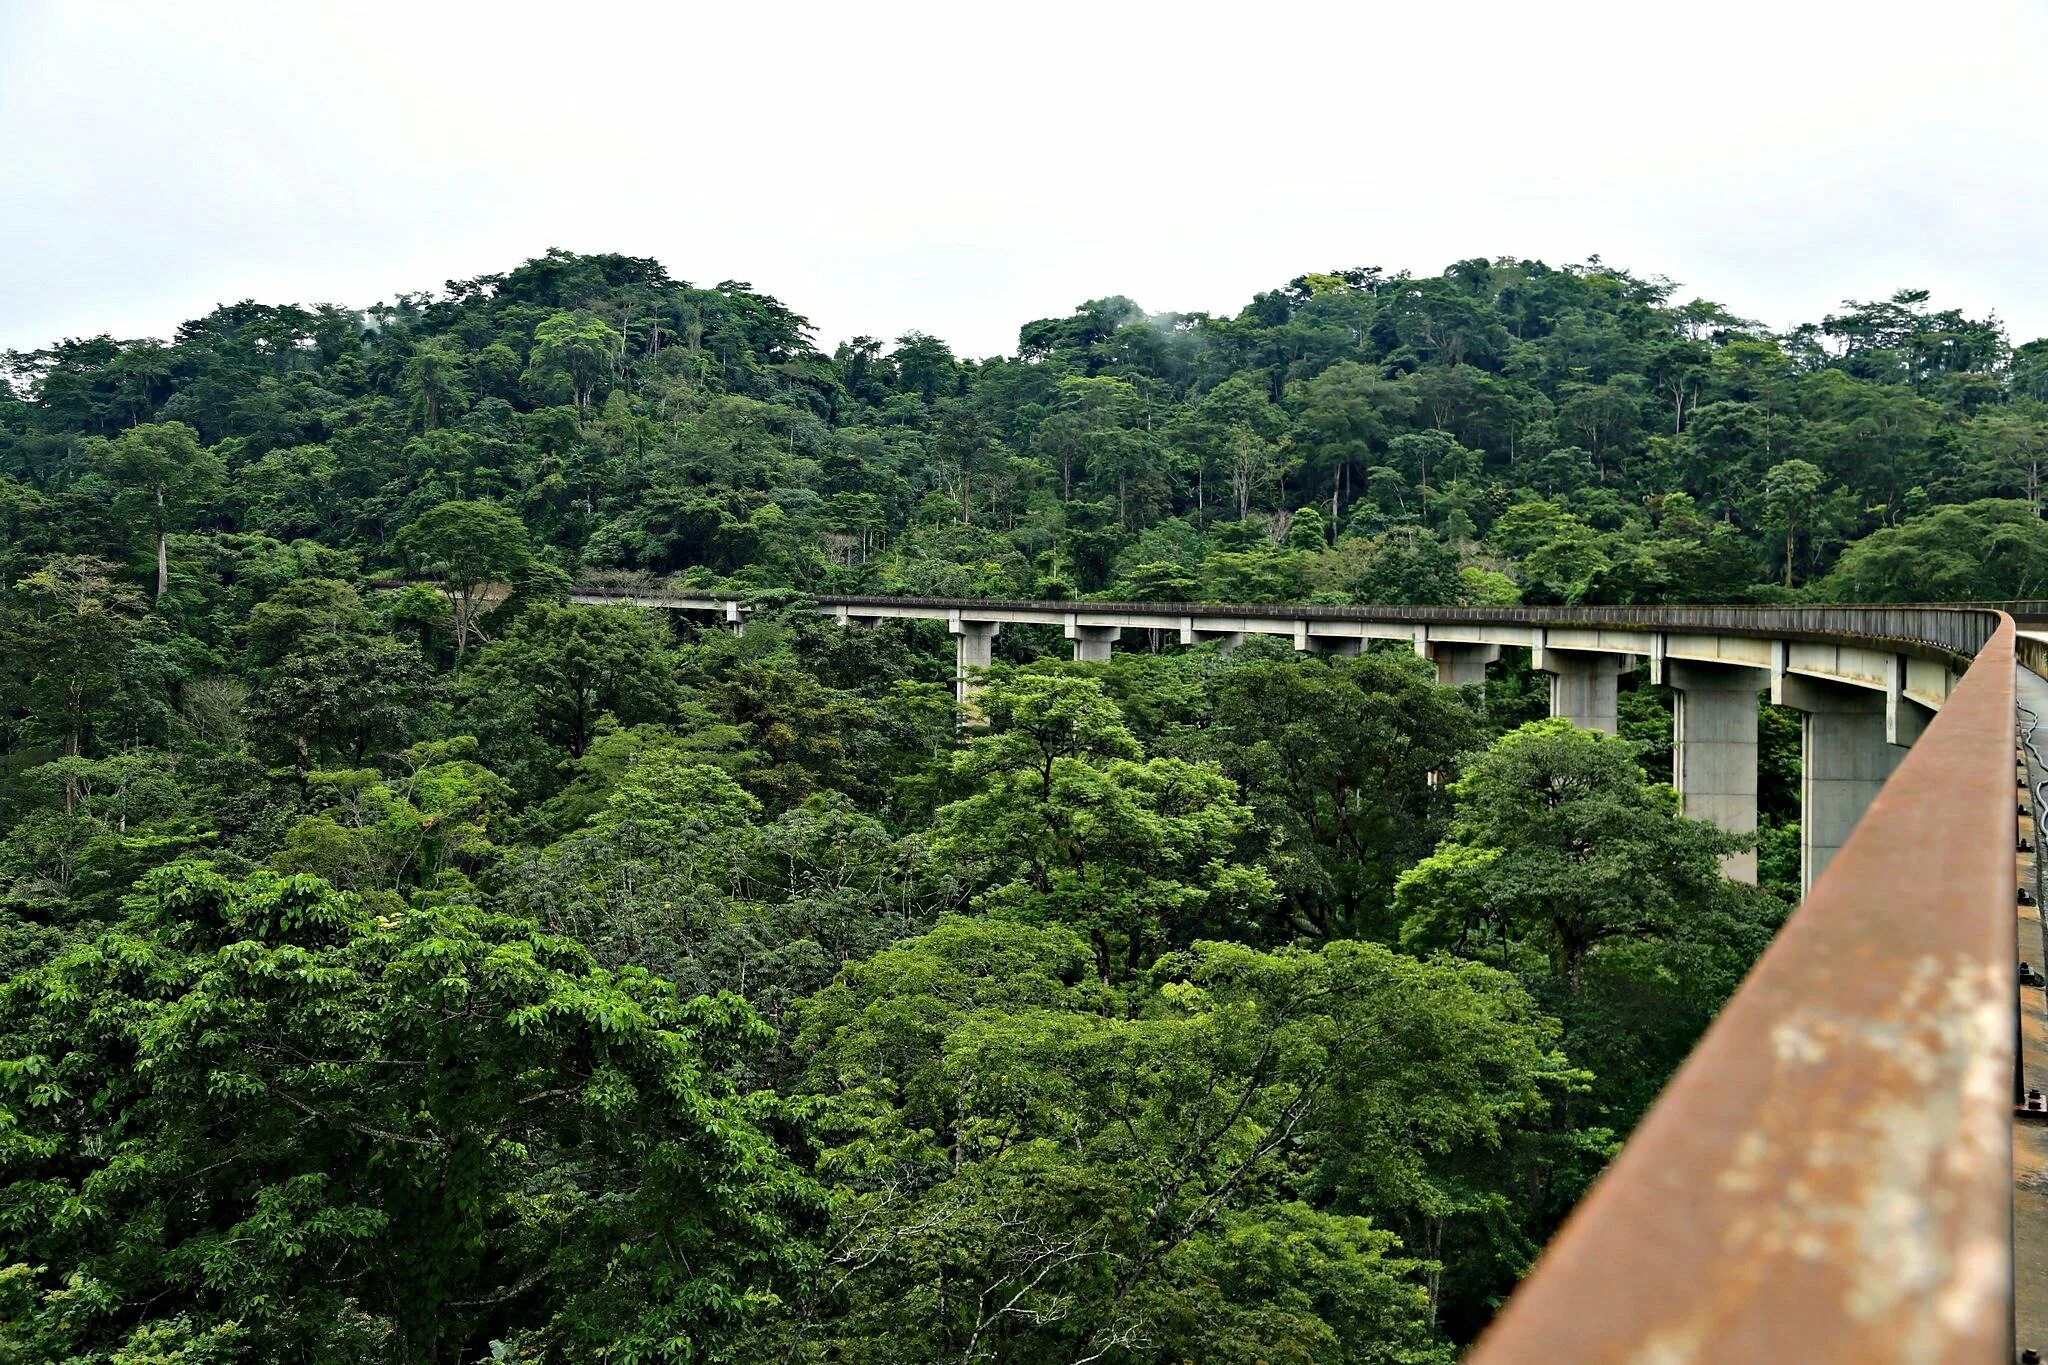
(417,974)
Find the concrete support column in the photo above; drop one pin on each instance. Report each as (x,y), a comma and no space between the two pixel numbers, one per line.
(1092,643)
(973,651)
(735,618)
(1843,761)
(1713,749)
(1582,686)
(1458,665)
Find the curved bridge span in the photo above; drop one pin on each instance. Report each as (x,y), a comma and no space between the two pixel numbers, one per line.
(1830,1176)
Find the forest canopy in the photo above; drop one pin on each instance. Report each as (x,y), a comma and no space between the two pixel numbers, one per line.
(403,963)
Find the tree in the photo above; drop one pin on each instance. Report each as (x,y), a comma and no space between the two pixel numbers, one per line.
(474,550)
(342,696)
(80,628)
(1560,844)
(1344,416)
(2011,449)
(432,382)
(680,873)
(1988,551)
(1068,823)
(574,666)
(1306,530)
(572,352)
(163,466)
(1342,764)
(1159,581)
(328,682)
(1406,566)
(1031,1167)
(1250,458)
(1789,490)
(428,825)
(257,1123)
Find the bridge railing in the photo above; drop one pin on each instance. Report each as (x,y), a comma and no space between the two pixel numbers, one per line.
(1828,1177)
(1956,631)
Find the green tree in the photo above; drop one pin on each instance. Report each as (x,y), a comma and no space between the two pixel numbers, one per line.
(1159,581)
(1983,551)
(428,826)
(1031,1165)
(328,680)
(573,353)
(256,1123)
(474,550)
(1068,823)
(79,630)
(162,467)
(1789,491)
(431,382)
(1306,530)
(1345,415)
(1560,844)
(1342,763)
(574,666)
(2011,450)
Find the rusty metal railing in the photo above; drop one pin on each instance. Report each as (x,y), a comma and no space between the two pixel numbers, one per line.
(1828,1177)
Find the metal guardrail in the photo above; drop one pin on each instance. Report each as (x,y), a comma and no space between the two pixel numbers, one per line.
(1828,1177)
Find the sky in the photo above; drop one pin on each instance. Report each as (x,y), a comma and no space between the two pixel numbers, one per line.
(963,168)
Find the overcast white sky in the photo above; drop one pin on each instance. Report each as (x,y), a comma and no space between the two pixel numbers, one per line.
(964,167)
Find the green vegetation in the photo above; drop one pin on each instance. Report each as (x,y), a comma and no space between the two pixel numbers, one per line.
(446,972)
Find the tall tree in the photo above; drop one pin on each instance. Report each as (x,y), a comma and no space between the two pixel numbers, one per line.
(474,550)
(162,467)
(1560,843)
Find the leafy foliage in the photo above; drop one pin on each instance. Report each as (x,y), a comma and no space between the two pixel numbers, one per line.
(405,962)
(255,1123)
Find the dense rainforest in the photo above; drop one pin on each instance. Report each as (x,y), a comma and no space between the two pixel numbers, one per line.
(403,964)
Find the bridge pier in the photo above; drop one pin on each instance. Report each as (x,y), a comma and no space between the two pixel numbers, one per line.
(1583,686)
(1844,758)
(1092,643)
(1713,749)
(1458,665)
(973,651)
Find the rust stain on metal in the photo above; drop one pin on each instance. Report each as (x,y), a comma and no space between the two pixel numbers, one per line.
(1829,1175)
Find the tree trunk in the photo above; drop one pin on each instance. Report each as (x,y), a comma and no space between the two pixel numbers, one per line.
(163,557)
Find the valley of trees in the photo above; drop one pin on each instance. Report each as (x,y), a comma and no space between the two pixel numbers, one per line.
(403,964)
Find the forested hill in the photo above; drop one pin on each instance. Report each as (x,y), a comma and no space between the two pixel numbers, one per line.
(436,975)
(1503,430)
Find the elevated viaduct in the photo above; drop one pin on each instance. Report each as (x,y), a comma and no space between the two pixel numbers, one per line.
(1831,1175)
(1865,680)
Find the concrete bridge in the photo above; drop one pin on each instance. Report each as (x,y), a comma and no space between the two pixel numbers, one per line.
(1865,680)
(1853,1164)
